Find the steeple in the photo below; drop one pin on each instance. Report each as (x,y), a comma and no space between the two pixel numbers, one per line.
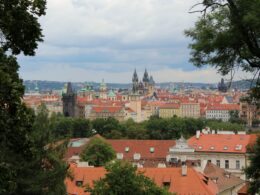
(135,77)
(145,77)
(222,86)
(151,81)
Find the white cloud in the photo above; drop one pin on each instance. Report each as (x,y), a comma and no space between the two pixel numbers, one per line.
(65,72)
(95,39)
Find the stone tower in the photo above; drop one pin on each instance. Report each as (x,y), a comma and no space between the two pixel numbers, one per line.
(222,87)
(69,101)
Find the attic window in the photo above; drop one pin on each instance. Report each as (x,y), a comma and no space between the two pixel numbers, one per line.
(137,156)
(200,147)
(212,148)
(127,149)
(238,147)
(225,148)
(152,149)
(166,184)
(119,156)
(79,183)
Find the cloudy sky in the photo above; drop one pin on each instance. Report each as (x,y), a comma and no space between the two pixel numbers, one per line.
(87,40)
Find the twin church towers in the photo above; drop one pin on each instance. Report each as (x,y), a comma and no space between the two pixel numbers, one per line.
(144,86)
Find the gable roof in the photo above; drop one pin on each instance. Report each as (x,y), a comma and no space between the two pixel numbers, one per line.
(194,183)
(223,182)
(161,148)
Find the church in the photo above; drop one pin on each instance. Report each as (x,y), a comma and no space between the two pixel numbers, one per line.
(143,87)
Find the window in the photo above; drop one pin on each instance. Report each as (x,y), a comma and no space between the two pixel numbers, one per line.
(209,161)
(137,156)
(218,163)
(226,164)
(152,149)
(166,184)
(79,183)
(127,149)
(237,164)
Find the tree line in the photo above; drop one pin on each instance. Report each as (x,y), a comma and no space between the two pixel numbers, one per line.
(154,128)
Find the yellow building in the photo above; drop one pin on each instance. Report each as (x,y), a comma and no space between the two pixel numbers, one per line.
(169,110)
(190,110)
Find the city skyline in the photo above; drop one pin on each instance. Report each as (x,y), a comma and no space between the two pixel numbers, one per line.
(109,39)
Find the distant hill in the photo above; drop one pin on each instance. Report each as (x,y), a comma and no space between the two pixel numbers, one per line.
(55,85)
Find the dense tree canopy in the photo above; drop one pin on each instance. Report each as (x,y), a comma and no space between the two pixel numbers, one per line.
(123,178)
(19,27)
(27,166)
(98,152)
(253,171)
(227,37)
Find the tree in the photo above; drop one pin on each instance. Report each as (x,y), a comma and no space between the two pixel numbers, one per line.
(81,128)
(22,165)
(234,117)
(123,178)
(253,171)
(227,37)
(98,152)
(47,164)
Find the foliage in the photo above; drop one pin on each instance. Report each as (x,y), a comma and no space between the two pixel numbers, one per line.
(47,164)
(218,125)
(19,27)
(26,165)
(98,152)
(154,128)
(234,117)
(227,37)
(123,178)
(64,127)
(253,171)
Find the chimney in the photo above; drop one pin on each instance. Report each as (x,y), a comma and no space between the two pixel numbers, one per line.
(184,169)
(197,134)
(215,179)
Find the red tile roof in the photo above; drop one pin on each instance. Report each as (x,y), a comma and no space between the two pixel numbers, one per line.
(161,148)
(194,183)
(221,143)
(110,109)
(223,107)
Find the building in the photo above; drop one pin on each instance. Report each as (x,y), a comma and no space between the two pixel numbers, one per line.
(228,151)
(190,109)
(221,111)
(146,87)
(169,110)
(104,111)
(69,99)
(222,87)
(227,183)
(179,180)
(103,90)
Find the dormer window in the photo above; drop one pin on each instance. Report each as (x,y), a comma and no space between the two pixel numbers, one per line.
(127,149)
(238,147)
(166,184)
(119,156)
(225,148)
(200,147)
(79,183)
(152,149)
(212,148)
(137,156)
